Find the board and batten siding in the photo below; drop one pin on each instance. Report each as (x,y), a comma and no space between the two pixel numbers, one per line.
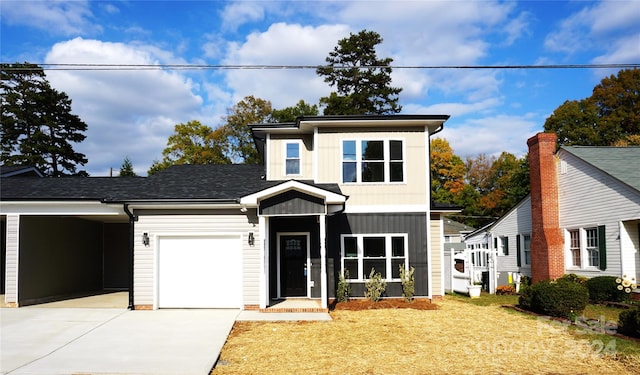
(517,221)
(411,192)
(11,270)
(158,225)
(589,198)
(277,154)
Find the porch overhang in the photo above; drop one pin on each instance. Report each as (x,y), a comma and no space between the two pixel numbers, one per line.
(334,202)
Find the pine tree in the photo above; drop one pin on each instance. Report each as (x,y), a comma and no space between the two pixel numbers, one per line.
(363,81)
(38,128)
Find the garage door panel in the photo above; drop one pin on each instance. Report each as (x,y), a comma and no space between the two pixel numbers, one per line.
(199,272)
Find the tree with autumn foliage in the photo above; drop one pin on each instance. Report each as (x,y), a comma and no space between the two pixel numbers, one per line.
(610,116)
(193,143)
(486,187)
(447,172)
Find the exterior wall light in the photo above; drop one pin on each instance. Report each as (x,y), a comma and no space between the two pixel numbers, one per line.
(145,239)
(252,239)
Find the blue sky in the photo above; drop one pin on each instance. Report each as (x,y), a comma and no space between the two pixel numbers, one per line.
(132,113)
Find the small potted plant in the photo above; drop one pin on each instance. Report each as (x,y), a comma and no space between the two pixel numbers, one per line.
(474,289)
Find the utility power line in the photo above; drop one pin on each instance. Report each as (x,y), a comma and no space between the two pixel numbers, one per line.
(130,67)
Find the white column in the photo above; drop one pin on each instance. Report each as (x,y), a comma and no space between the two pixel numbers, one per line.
(323,262)
(263,225)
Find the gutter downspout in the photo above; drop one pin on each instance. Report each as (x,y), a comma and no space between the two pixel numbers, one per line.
(132,220)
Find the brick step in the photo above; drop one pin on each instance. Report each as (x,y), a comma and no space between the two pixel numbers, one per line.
(294,310)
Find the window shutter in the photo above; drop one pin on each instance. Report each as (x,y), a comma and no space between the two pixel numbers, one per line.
(506,246)
(518,250)
(602,247)
(495,243)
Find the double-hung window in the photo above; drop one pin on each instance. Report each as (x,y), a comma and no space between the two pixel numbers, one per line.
(574,248)
(593,253)
(586,247)
(384,253)
(292,158)
(526,246)
(372,161)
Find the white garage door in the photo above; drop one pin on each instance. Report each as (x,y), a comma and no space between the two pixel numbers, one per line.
(200,272)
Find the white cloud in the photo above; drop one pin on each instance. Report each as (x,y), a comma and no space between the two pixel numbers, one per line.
(491,135)
(56,17)
(610,28)
(237,13)
(282,44)
(128,112)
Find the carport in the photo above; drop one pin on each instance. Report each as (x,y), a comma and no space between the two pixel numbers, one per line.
(63,250)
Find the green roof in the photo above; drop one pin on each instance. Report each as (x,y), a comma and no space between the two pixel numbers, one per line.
(622,163)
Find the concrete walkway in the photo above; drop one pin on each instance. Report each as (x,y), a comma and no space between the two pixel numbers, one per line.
(115,341)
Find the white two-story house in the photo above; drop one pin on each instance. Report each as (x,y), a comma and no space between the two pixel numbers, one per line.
(334,194)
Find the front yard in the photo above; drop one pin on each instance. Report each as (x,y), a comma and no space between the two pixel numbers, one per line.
(458,337)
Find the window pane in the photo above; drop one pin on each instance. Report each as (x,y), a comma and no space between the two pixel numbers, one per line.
(379,265)
(397,246)
(351,266)
(395,267)
(396,171)
(293,150)
(293,166)
(374,247)
(372,150)
(348,150)
(350,247)
(575,248)
(372,172)
(395,150)
(349,172)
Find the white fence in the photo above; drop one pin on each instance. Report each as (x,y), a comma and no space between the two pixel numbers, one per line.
(466,267)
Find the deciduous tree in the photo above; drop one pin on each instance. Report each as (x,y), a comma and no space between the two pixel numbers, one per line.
(610,114)
(290,114)
(250,110)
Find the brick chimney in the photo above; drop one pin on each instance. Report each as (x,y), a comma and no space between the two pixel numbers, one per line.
(547,255)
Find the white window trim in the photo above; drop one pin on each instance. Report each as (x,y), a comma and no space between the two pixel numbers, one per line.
(387,161)
(299,143)
(584,252)
(501,247)
(360,254)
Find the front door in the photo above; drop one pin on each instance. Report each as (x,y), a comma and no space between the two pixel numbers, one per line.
(293,265)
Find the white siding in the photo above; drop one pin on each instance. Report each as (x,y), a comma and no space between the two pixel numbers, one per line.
(145,257)
(515,222)
(11,275)
(437,255)
(588,198)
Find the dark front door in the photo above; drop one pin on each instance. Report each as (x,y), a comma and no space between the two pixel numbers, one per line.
(293,265)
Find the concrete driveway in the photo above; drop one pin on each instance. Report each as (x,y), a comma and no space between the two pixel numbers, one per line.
(114,341)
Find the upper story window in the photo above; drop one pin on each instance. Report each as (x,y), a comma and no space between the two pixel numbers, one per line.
(292,158)
(376,161)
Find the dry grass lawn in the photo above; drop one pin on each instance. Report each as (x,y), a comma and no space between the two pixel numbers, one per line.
(457,338)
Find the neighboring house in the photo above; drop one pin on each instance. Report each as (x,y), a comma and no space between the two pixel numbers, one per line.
(335,193)
(582,216)
(507,239)
(20,171)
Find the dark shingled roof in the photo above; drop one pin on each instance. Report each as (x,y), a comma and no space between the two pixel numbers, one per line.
(176,183)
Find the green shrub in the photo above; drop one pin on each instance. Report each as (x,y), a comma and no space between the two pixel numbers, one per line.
(343,291)
(629,323)
(408,282)
(574,278)
(605,288)
(561,298)
(375,286)
(524,301)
